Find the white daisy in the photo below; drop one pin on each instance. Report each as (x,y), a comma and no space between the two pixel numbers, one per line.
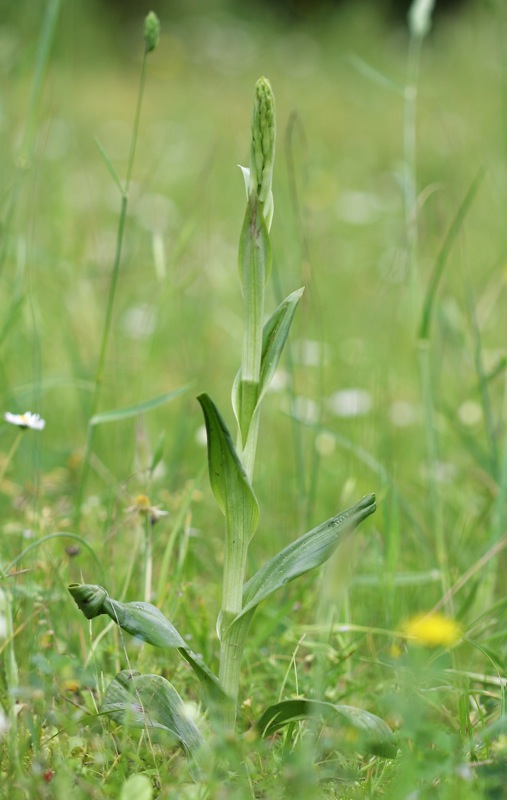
(26,420)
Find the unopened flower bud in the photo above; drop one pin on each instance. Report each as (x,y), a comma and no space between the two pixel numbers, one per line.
(262,149)
(151,32)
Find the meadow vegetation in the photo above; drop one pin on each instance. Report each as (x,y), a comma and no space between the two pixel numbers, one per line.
(122,303)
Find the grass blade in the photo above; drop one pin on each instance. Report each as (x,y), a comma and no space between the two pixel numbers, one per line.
(109,165)
(424,329)
(138,408)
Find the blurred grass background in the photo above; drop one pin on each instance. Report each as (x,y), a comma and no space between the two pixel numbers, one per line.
(338,229)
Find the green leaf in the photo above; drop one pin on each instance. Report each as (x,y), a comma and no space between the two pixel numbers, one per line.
(146,622)
(303,555)
(150,701)
(138,408)
(137,787)
(306,553)
(425,325)
(274,336)
(365,732)
(228,478)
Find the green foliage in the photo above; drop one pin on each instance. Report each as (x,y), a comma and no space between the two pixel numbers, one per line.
(369,732)
(147,623)
(391,239)
(149,701)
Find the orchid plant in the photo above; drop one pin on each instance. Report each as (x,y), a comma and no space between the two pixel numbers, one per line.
(150,701)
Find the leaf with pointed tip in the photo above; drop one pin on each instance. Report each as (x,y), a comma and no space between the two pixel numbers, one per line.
(274,336)
(146,622)
(306,553)
(228,478)
(370,734)
(150,701)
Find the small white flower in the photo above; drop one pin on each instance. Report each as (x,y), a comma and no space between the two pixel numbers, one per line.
(26,420)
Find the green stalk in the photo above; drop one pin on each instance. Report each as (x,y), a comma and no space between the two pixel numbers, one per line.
(151,39)
(419,23)
(254,269)
(432,449)
(409,151)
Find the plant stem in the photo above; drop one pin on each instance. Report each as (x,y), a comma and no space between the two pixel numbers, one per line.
(409,151)
(254,268)
(437,521)
(106,332)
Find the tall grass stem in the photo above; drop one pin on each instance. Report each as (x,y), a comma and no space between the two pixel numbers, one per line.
(106,332)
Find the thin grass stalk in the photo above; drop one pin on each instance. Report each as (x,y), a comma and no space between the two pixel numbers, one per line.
(419,23)
(432,450)
(99,377)
(409,155)
(150,44)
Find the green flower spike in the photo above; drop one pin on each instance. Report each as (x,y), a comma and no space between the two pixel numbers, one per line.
(258,179)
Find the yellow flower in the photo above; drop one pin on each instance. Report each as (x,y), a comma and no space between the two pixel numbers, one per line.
(433,630)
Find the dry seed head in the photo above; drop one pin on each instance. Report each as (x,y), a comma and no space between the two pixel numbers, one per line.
(151,31)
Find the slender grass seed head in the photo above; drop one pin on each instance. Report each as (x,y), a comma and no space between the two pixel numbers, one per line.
(151,32)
